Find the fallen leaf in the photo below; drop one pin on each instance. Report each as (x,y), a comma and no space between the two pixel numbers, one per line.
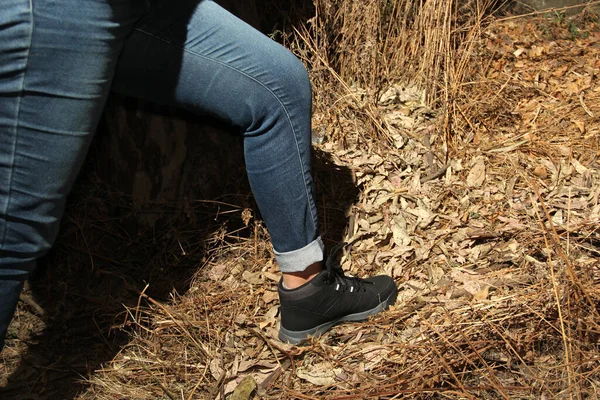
(578,166)
(399,232)
(472,286)
(482,294)
(244,389)
(253,278)
(246,216)
(557,218)
(269,317)
(373,355)
(476,175)
(272,276)
(217,272)
(425,215)
(245,365)
(270,296)
(559,72)
(319,375)
(435,273)
(580,125)
(541,172)
(519,51)
(215,368)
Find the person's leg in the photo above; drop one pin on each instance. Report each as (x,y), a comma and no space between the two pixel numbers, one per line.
(57,60)
(198,56)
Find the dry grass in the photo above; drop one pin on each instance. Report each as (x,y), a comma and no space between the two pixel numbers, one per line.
(358,50)
(479,183)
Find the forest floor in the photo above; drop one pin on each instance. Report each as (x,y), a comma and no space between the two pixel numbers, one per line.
(492,236)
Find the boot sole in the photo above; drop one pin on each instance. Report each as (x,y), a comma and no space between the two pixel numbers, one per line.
(296,337)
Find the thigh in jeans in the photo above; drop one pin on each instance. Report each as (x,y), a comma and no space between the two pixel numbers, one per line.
(198,56)
(57,60)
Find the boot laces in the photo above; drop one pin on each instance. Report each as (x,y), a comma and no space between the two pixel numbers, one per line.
(335,274)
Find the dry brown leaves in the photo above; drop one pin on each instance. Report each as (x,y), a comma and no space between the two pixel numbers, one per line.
(493,240)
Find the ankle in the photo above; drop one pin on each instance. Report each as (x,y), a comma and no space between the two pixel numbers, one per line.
(293,280)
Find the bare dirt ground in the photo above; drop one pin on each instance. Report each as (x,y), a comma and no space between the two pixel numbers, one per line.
(491,233)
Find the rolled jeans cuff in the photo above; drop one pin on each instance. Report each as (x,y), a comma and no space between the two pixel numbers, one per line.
(299,260)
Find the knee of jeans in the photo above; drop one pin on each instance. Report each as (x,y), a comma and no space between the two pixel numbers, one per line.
(24,242)
(288,79)
(286,99)
(296,79)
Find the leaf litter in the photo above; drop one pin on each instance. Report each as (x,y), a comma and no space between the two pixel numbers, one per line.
(492,237)
(496,257)
(493,242)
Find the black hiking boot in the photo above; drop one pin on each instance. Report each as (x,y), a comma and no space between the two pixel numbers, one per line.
(330,298)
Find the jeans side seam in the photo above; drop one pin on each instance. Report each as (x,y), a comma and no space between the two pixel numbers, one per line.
(16,128)
(308,195)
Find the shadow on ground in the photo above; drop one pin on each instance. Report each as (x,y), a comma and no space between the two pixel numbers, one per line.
(70,320)
(100,265)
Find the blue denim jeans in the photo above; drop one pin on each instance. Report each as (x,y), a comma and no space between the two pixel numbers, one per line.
(59,59)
